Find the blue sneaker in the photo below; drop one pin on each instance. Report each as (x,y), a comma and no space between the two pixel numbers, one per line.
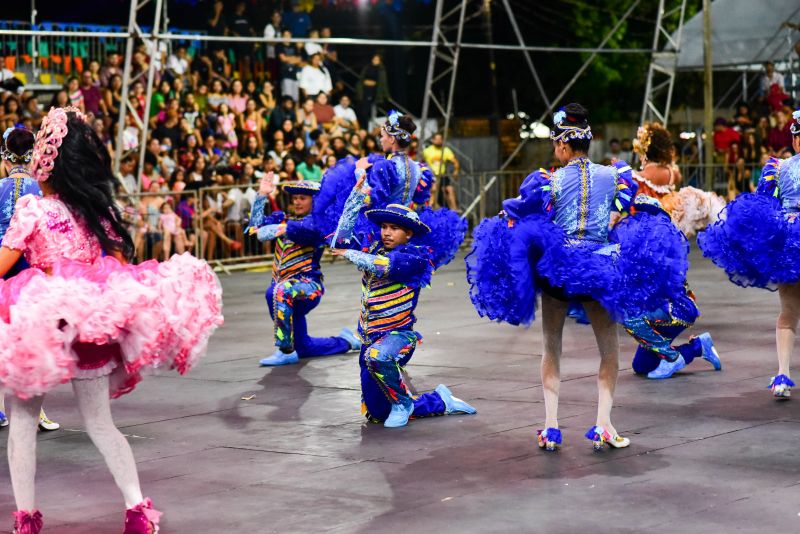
(666,369)
(710,354)
(399,415)
(280,358)
(453,405)
(3,420)
(350,337)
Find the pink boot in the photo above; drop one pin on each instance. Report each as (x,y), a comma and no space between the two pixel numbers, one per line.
(28,522)
(141,519)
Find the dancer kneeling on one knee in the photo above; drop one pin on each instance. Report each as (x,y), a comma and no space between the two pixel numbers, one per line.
(395,269)
(296,287)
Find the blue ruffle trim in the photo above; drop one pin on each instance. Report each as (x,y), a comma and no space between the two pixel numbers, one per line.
(551,434)
(754,243)
(641,269)
(337,183)
(448,230)
(780,380)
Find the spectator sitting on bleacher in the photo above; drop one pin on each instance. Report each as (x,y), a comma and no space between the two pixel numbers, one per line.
(345,115)
(314,78)
(92,98)
(220,68)
(313,47)
(324,112)
(309,170)
(111,68)
(178,63)
(74,93)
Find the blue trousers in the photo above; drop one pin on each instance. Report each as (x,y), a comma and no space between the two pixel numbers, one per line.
(657,331)
(382,383)
(292,324)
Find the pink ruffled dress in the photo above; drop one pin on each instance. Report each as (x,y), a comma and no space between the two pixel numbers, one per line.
(79,314)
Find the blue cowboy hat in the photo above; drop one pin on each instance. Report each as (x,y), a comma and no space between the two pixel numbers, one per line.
(401,216)
(303,187)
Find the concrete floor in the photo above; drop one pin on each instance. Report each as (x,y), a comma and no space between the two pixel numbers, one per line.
(711,451)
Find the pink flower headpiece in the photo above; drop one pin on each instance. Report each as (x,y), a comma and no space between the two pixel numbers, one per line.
(48,140)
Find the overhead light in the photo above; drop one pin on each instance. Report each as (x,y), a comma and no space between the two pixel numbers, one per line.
(540,130)
(687,135)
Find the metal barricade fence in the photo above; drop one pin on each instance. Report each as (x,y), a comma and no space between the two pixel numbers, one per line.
(142,216)
(227,209)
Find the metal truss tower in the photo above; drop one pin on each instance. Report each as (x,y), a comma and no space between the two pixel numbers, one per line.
(664,62)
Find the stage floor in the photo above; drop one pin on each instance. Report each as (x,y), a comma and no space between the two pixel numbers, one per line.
(236,448)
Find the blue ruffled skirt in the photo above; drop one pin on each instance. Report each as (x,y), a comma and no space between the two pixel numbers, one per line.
(755,241)
(642,267)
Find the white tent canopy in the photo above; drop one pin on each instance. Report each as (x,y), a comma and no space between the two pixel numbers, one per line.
(744,32)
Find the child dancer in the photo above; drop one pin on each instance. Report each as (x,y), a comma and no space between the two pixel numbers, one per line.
(756,243)
(296,287)
(81,314)
(395,268)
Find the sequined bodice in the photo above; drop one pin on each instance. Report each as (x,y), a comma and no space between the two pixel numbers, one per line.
(408,173)
(583,195)
(47,232)
(789,183)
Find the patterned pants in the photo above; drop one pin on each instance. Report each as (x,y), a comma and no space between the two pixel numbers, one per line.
(289,302)
(655,332)
(382,383)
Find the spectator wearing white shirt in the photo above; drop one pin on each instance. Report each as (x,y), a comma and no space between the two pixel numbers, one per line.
(273,31)
(346,117)
(314,78)
(178,63)
(770,78)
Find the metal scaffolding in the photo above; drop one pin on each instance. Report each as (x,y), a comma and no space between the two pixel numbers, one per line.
(663,63)
(445,45)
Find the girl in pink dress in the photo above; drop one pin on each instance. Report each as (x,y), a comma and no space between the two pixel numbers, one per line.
(82,314)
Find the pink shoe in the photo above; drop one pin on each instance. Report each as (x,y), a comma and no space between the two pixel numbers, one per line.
(142,519)
(28,522)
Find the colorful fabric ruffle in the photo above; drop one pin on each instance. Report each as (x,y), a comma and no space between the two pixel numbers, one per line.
(755,242)
(160,314)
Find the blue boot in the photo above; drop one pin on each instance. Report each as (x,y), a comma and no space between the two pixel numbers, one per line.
(3,420)
(709,352)
(453,405)
(280,358)
(350,337)
(666,369)
(399,415)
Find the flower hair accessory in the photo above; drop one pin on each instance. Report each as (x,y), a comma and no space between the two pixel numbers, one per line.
(568,131)
(8,155)
(49,139)
(642,141)
(392,126)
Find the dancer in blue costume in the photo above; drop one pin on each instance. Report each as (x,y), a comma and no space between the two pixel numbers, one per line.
(656,331)
(756,242)
(554,239)
(395,266)
(296,287)
(396,179)
(16,152)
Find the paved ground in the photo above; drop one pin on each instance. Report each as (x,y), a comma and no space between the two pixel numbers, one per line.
(711,452)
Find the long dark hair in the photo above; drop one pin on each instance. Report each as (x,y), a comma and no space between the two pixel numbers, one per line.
(83,180)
